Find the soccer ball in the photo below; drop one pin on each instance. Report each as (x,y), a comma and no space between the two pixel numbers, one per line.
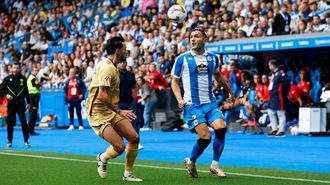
(177,13)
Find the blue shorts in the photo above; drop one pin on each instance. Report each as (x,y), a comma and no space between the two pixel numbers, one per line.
(207,113)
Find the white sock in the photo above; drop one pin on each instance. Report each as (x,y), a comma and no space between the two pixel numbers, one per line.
(127,173)
(214,163)
(102,158)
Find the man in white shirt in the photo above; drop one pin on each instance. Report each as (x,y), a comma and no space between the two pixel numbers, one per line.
(317,26)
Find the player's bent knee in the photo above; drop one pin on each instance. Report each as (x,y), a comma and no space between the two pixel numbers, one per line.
(135,139)
(119,148)
(204,142)
(218,124)
(220,133)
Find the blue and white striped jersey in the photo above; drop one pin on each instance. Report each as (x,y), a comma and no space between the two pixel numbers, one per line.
(196,72)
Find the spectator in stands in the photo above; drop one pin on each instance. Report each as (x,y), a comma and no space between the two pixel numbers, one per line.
(26,53)
(149,100)
(261,90)
(3,65)
(317,26)
(301,27)
(278,88)
(304,86)
(249,102)
(163,65)
(312,9)
(140,82)
(89,73)
(265,97)
(292,109)
(282,21)
(74,90)
(327,25)
(127,87)
(155,79)
(235,75)
(265,27)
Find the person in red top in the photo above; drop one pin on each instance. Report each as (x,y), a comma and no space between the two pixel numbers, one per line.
(304,87)
(292,111)
(224,71)
(294,96)
(258,86)
(155,79)
(265,82)
(74,90)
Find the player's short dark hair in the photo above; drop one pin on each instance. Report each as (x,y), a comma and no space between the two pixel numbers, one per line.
(274,63)
(16,64)
(114,43)
(200,29)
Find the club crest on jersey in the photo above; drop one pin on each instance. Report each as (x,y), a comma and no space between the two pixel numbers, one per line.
(195,122)
(21,80)
(209,58)
(202,69)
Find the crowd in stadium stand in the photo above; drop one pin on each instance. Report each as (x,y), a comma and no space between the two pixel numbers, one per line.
(31,31)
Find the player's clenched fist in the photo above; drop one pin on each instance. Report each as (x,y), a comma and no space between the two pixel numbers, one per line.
(182,103)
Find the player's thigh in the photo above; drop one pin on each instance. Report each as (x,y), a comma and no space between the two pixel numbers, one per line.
(215,117)
(218,124)
(193,115)
(125,129)
(203,131)
(111,135)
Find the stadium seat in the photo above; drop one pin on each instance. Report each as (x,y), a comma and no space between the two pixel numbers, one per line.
(315,92)
(290,75)
(315,76)
(297,78)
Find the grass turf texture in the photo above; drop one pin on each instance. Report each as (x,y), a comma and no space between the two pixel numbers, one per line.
(27,167)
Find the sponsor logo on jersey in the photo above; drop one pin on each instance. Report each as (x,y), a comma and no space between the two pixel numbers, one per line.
(202,69)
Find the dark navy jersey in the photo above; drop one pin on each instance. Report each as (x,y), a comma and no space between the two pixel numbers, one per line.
(278,90)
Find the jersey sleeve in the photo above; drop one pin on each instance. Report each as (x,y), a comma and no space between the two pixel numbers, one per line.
(178,67)
(217,63)
(104,75)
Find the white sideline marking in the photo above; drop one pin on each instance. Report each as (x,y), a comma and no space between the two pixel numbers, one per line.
(166,168)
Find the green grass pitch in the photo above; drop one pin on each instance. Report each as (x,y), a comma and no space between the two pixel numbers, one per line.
(38,168)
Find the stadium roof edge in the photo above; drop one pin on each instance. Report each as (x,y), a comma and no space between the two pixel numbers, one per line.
(272,43)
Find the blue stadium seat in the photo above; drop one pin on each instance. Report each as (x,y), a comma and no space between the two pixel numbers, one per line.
(126,12)
(290,75)
(315,92)
(315,76)
(297,78)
